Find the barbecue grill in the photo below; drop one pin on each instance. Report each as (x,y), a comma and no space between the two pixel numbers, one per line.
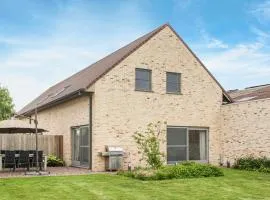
(113,158)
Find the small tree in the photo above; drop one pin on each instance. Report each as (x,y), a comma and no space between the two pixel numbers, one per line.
(149,144)
(6,104)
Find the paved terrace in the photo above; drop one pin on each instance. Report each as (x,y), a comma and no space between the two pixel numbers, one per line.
(54,171)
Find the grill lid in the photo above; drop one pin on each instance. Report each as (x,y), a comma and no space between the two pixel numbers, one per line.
(114,149)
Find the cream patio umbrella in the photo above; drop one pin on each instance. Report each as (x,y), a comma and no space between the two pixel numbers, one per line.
(13,126)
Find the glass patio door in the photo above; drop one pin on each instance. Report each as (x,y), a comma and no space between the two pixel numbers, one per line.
(84,146)
(80,146)
(197,144)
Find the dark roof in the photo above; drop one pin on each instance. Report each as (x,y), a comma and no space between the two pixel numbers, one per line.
(251,93)
(79,82)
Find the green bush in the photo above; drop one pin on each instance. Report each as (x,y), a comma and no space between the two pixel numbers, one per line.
(148,142)
(264,170)
(253,164)
(183,170)
(53,161)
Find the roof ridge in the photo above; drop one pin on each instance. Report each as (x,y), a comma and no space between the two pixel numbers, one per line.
(197,58)
(110,54)
(152,34)
(83,79)
(255,86)
(98,69)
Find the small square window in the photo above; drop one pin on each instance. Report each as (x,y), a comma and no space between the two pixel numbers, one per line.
(143,80)
(173,83)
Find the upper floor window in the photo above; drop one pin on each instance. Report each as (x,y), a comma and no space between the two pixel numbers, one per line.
(143,80)
(173,83)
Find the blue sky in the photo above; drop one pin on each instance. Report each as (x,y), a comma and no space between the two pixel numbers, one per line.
(43,42)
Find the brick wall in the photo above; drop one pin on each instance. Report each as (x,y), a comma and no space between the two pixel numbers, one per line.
(118,110)
(246,129)
(59,120)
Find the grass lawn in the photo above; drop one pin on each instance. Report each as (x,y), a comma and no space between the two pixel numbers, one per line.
(234,185)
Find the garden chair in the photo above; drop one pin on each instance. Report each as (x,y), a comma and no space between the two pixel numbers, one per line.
(24,160)
(40,159)
(9,160)
(2,152)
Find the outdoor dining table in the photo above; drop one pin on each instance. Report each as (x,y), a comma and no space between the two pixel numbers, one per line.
(17,155)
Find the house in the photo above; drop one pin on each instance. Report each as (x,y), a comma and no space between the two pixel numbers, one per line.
(154,78)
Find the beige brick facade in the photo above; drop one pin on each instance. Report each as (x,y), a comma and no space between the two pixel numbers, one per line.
(118,110)
(59,120)
(246,129)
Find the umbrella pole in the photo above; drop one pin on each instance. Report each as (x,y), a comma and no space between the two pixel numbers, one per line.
(36,123)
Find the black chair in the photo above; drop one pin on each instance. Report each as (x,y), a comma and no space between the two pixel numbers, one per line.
(16,157)
(3,153)
(24,160)
(40,159)
(32,151)
(31,158)
(17,151)
(9,161)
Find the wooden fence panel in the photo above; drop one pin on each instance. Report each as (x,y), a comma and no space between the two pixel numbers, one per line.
(49,144)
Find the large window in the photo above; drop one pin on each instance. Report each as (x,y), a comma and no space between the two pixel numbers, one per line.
(143,80)
(184,143)
(173,82)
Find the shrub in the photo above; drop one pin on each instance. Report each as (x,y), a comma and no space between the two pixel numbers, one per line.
(149,144)
(264,170)
(190,170)
(184,170)
(253,164)
(53,161)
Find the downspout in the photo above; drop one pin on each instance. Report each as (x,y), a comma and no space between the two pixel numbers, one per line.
(90,130)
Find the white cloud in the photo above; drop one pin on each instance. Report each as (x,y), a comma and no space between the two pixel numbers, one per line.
(262,11)
(215,43)
(23,88)
(260,33)
(210,41)
(242,64)
(182,4)
(238,57)
(78,36)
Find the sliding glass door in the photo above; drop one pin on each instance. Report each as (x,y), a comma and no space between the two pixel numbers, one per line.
(197,144)
(186,143)
(75,139)
(176,144)
(80,146)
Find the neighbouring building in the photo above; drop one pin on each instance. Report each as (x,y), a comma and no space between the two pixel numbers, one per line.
(155,78)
